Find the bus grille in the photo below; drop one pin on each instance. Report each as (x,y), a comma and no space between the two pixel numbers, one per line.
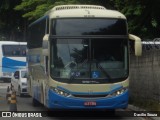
(90,96)
(24,90)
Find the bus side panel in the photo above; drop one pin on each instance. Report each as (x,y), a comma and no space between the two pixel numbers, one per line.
(38,78)
(10,65)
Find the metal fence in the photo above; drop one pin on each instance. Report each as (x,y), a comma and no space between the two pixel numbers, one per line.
(148,45)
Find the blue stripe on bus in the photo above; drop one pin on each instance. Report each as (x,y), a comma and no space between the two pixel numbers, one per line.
(10,65)
(56,101)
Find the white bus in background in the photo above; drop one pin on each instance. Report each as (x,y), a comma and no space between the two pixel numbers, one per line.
(12,57)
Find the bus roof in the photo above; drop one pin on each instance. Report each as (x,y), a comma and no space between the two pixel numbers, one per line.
(63,11)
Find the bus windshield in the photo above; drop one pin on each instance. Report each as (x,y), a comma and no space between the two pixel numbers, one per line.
(100,58)
(97,26)
(96,60)
(14,50)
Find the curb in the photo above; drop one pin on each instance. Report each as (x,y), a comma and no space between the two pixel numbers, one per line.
(135,108)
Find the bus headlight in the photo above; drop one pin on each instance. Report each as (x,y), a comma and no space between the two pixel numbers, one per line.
(118,92)
(61,92)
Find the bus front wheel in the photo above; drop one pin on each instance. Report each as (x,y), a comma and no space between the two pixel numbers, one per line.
(110,112)
(35,102)
(19,92)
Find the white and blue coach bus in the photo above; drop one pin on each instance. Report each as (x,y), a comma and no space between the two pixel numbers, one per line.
(78,58)
(12,57)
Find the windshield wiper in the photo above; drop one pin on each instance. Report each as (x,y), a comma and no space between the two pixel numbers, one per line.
(104,71)
(71,78)
(84,62)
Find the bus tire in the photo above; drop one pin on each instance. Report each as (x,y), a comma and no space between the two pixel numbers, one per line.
(49,112)
(110,112)
(19,92)
(35,102)
(53,113)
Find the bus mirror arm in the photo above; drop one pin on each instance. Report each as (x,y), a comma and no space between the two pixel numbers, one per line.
(45,45)
(45,52)
(137,44)
(46,37)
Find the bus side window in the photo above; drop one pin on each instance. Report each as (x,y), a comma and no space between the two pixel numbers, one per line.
(13,52)
(24,53)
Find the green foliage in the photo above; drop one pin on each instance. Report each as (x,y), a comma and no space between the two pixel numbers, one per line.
(143,16)
(32,8)
(36,8)
(10,20)
(154,23)
(4,4)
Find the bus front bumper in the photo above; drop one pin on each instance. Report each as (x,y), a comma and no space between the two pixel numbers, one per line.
(56,102)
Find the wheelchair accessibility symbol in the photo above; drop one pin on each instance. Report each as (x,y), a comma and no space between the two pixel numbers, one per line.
(95,74)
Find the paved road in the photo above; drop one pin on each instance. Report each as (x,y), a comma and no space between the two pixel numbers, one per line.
(25,104)
(3,91)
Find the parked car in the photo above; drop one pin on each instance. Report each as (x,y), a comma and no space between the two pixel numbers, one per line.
(19,81)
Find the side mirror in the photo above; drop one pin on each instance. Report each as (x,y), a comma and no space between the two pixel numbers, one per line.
(45,45)
(137,44)
(16,76)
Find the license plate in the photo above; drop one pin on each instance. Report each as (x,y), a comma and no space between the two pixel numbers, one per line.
(90,103)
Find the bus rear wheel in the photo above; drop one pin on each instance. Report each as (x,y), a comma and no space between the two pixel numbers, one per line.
(19,92)
(110,112)
(35,102)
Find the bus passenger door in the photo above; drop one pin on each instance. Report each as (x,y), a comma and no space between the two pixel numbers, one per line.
(46,64)
(45,52)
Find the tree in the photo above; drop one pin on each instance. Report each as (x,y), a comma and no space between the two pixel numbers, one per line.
(11,23)
(36,8)
(143,16)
